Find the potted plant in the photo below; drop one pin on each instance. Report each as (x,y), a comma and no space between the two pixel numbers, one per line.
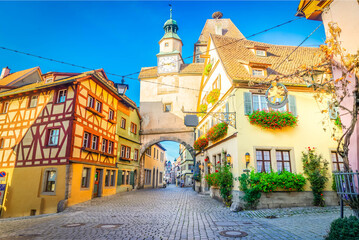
(201,143)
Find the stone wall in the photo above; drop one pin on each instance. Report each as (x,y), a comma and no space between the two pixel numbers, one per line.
(288,199)
(214,193)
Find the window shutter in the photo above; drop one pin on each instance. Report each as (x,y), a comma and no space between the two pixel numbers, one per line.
(227,111)
(119,177)
(248,106)
(132,178)
(333,112)
(292,105)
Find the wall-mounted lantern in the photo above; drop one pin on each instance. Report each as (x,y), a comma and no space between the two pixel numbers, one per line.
(229,159)
(248,159)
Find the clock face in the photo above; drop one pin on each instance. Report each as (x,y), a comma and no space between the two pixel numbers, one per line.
(167,64)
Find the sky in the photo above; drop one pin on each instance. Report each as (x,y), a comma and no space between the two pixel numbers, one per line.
(121,37)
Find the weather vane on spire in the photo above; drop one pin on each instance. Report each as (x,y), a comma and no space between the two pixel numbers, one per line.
(170,10)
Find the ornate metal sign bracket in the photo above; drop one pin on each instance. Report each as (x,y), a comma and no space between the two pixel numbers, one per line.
(228,117)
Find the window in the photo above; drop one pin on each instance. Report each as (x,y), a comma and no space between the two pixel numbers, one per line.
(104,145)
(166,44)
(94,144)
(157,154)
(283,161)
(338,164)
(259,102)
(167,107)
(107,178)
(147,176)
(5,107)
(85,180)
(148,151)
(33,101)
(261,53)
(162,157)
(112,181)
(123,123)
(123,177)
(98,106)
(128,152)
(110,147)
(61,96)
(217,83)
(154,153)
(135,155)
(258,72)
(133,128)
(53,137)
(111,114)
(161,177)
(49,80)
(263,161)
(127,177)
(1,143)
(50,181)
(86,140)
(123,151)
(90,101)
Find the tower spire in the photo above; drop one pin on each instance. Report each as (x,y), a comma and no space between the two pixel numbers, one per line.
(170,10)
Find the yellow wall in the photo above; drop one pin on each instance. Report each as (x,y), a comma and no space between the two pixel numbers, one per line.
(78,194)
(24,191)
(151,162)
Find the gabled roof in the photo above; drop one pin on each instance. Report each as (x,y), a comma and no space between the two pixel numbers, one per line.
(192,68)
(12,78)
(237,54)
(228,29)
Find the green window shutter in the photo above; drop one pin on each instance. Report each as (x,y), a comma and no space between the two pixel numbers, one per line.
(119,177)
(132,178)
(248,105)
(292,105)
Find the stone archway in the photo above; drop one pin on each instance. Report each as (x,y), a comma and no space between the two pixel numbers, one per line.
(160,138)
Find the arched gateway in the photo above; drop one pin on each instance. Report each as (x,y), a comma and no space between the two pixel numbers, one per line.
(166,90)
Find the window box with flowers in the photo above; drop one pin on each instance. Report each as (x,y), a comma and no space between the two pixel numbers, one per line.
(201,143)
(273,119)
(217,132)
(213,96)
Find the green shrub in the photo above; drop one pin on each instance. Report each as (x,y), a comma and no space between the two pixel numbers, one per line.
(225,184)
(344,229)
(197,176)
(254,183)
(315,167)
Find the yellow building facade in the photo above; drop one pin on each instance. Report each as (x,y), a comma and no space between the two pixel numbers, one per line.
(154,164)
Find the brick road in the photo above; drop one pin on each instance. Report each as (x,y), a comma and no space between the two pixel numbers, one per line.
(171,213)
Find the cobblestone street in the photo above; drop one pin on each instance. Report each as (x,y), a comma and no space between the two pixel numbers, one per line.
(170,213)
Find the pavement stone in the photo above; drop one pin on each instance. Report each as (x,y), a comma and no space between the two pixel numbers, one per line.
(169,213)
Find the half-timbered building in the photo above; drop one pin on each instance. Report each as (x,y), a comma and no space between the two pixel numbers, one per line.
(58,140)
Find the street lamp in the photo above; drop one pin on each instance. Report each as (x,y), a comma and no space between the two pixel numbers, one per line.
(122,87)
(248,159)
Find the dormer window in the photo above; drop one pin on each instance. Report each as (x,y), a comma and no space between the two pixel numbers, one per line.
(49,80)
(261,53)
(258,72)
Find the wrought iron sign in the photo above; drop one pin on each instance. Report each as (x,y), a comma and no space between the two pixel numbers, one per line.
(276,95)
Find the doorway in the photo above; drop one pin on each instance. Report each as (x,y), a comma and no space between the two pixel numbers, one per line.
(97,184)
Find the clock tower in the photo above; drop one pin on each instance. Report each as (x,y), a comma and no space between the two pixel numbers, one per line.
(169,59)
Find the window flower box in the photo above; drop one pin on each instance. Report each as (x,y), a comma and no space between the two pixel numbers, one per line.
(217,132)
(213,96)
(201,143)
(273,119)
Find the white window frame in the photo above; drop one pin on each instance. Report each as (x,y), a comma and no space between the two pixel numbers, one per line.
(5,107)
(88,177)
(98,106)
(111,114)
(61,96)
(128,152)
(255,72)
(261,100)
(95,139)
(90,101)
(135,155)
(123,123)
(33,101)
(110,147)
(104,145)
(45,182)
(123,151)
(261,53)
(54,135)
(86,139)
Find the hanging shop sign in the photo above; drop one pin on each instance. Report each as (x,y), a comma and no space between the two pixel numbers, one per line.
(276,95)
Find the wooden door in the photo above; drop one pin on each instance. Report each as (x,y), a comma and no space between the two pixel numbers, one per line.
(97,183)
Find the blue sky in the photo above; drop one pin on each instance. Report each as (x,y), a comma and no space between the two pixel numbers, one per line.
(122,37)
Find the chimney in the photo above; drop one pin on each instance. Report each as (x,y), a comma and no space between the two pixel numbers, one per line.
(218,28)
(5,71)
